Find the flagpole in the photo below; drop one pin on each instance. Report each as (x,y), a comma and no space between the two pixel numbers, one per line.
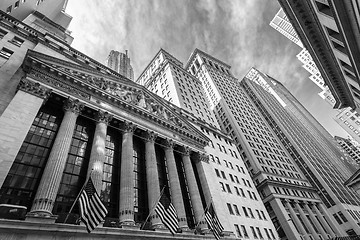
(207,207)
(152,209)
(77,197)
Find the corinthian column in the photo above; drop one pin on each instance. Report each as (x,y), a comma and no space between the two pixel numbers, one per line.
(127,176)
(193,190)
(175,188)
(152,177)
(50,180)
(97,156)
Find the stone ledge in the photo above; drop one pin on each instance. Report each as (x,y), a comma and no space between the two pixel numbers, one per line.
(17,230)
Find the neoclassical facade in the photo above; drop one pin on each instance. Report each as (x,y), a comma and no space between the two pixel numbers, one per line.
(67,122)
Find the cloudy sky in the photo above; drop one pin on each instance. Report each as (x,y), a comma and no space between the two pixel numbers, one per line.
(234,31)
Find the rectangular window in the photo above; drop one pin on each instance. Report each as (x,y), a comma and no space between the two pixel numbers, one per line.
(8,10)
(228,188)
(5,53)
(253,232)
(17,41)
(230,209)
(238,232)
(16,4)
(259,232)
(243,228)
(236,209)
(2,33)
(245,212)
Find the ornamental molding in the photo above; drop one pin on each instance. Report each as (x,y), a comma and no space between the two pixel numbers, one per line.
(34,88)
(103,117)
(73,105)
(118,92)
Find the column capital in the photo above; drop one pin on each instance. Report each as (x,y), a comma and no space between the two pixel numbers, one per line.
(34,88)
(186,150)
(201,157)
(150,136)
(169,143)
(73,105)
(103,117)
(128,127)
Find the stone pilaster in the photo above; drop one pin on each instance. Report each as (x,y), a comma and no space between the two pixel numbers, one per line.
(315,221)
(296,221)
(175,188)
(97,156)
(194,191)
(286,223)
(127,176)
(324,223)
(306,221)
(152,177)
(16,121)
(330,220)
(50,180)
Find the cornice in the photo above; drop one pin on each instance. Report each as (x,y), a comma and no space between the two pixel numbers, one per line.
(135,99)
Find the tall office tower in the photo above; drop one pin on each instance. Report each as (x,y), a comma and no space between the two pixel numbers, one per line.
(320,168)
(282,186)
(282,24)
(166,77)
(309,65)
(235,198)
(120,63)
(46,16)
(351,147)
(346,165)
(329,30)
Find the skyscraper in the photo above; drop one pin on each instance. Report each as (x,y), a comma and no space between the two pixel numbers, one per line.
(349,124)
(351,147)
(329,30)
(326,172)
(283,187)
(120,63)
(282,24)
(232,191)
(46,16)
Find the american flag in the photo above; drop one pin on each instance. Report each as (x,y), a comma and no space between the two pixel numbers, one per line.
(213,222)
(92,210)
(167,213)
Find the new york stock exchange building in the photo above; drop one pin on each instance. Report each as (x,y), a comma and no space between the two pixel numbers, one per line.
(67,121)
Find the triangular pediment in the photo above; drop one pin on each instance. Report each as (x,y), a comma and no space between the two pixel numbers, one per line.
(120,89)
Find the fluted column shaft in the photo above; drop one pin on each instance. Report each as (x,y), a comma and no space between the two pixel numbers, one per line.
(50,181)
(296,220)
(306,221)
(98,151)
(127,176)
(193,190)
(175,188)
(330,221)
(324,223)
(152,177)
(315,221)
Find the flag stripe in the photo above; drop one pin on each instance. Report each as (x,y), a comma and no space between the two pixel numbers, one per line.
(213,222)
(167,214)
(92,210)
